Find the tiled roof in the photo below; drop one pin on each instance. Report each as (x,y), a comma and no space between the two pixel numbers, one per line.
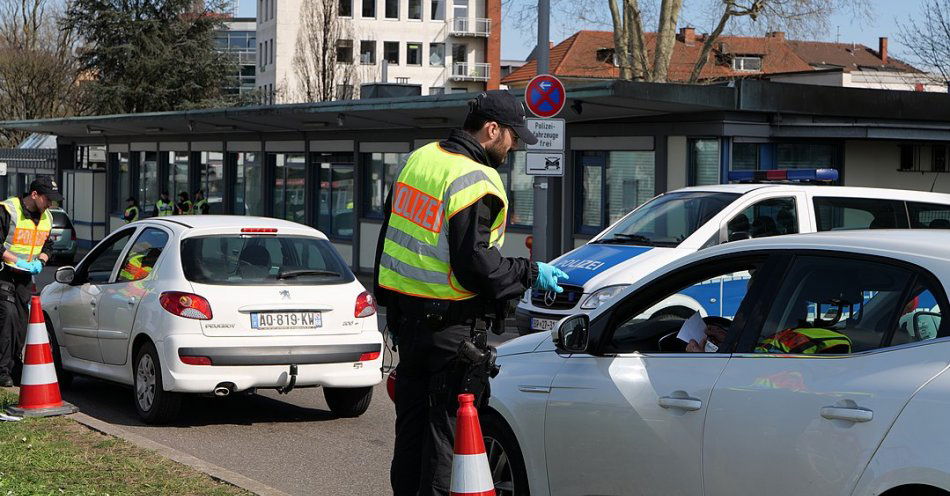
(846,55)
(577,57)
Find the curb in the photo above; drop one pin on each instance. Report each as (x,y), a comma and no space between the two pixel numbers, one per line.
(214,471)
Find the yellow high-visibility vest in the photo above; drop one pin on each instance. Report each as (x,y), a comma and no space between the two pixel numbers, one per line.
(129,210)
(133,270)
(24,237)
(198,205)
(433,186)
(165,208)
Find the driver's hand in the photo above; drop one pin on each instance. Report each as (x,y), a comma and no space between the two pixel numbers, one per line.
(715,334)
(694,347)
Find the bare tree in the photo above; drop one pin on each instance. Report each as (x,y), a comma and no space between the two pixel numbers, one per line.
(927,39)
(39,76)
(647,57)
(317,66)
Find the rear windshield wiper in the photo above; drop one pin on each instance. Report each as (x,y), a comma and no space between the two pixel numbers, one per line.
(623,238)
(306,272)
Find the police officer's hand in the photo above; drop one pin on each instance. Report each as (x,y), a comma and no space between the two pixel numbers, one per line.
(548,276)
(24,265)
(36,267)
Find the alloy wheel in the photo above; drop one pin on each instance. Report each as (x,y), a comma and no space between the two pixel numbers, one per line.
(501,472)
(145,382)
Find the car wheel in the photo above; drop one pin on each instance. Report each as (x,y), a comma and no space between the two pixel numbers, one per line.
(153,403)
(64,378)
(348,402)
(504,458)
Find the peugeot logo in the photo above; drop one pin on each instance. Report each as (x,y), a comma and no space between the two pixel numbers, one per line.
(285,294)
(549,298)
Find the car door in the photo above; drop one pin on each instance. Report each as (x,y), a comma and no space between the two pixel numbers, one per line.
(78,312)
(628,419)
(120,299)
(821,377)
(773,214)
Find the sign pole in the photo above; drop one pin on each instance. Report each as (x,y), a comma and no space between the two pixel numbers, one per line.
(545,203)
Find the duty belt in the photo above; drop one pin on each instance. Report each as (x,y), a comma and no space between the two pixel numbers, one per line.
(8,291)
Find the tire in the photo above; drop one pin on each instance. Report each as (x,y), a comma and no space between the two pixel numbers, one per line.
(63,377)
(153,404)
(348,402)
(505,459)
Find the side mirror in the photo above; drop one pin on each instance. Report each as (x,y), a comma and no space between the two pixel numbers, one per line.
(739,236)
(571,333)
(65,275)
(926,325)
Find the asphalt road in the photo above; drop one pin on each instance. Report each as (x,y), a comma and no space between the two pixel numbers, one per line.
(290,442)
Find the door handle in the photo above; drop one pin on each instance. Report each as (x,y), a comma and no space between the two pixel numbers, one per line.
(849,414)
(688,404)
(131,300)
(92,303)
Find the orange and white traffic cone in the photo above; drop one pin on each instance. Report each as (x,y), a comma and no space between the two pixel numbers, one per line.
(39,388)
(471,475)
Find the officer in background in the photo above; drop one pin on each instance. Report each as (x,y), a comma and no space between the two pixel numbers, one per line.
(25,223)
(131,210)
(200,206)
(439,271)
(164,206)
(184,204)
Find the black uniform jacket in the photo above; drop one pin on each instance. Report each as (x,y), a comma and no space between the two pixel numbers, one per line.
(477,265)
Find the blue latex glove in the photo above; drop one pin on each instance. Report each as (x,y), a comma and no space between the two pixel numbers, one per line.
(36,267)
(24,265)
(548,276)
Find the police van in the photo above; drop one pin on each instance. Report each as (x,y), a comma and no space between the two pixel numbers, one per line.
(680,222)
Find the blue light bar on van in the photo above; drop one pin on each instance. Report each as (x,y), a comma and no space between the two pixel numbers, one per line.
(784,175)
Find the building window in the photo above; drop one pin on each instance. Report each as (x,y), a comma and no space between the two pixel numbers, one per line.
(124,178)
(247,184)
(745,156)
(805,155)
(178,172)
(212,180)
(438,10)
(346,8)
(392,9)
(457,89)
(289,186)
(148,181)
(391,52)
(369,8)
(908,157)
(344,51)
(380,172)
(703,162)
(368,52)
(747,63)
(336,193)
(609,185)
(437,54)
(436,90)
(459,53)
(413,53)
(520,188)
(460,9)
(344,92)
(939,163)
(415,9)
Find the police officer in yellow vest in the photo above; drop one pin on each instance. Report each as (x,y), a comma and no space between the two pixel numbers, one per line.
(26,223)
(131,210)
(438,269)
(164,206)
(200,206)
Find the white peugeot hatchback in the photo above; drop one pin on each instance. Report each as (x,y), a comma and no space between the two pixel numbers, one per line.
(215,305)
(830,378)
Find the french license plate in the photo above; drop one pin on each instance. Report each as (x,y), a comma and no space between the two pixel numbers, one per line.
(543,324)
(286,320)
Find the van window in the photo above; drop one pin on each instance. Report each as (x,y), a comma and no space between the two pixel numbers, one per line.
(834,214)
(929,215)
(770,217)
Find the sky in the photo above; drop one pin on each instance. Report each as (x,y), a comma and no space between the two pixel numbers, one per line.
(516,44)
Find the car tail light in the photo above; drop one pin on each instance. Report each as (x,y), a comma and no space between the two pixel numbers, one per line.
(259,230)
(195,360)
(369,357)
(72,232)
(187,305)
(365,305)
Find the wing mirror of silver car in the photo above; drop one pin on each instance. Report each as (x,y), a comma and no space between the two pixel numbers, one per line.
(65,275)
(571,333)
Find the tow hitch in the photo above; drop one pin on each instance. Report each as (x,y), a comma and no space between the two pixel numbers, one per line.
(293,380)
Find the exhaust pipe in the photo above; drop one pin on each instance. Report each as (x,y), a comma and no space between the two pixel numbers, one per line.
(223,389)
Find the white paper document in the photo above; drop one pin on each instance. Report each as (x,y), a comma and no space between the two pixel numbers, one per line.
(693,328)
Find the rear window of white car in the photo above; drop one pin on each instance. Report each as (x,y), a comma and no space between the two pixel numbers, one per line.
(262,260)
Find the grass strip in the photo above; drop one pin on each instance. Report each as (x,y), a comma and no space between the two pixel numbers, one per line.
(58,456)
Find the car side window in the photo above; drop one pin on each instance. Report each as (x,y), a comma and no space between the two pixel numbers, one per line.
(928,215)
(141,258)
(838,305)
(836,214)
(97,269)
(771,217)
(705,300)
